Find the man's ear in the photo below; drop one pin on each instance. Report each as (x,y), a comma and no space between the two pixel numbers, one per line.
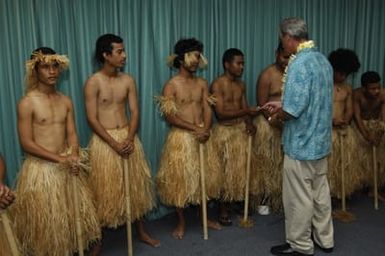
(105,54)
(227,64)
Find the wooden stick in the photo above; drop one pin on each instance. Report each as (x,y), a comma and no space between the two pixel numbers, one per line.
(343,199)
(203,187)
(78,226)
(375,189)
(9,233)
(246,210)
(128,206)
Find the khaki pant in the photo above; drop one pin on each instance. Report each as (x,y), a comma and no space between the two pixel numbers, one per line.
(307,204)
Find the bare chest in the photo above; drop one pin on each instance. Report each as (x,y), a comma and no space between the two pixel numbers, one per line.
(49,111)
(371,109)
(112,95)
(340,94)
(188,95)
(232,93)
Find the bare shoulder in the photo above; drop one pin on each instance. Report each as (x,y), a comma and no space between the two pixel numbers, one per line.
(220,80)
(201,81)
(357,94)
(267,72)
(127,78)
(348,88)
(383,95)
(242,84)
(65,99)
(357,91)
(26,102)
(93,81)
(169,86)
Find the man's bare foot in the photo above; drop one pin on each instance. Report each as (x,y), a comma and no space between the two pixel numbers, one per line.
(178,232)
(146,238)
(213,225)
(95,250)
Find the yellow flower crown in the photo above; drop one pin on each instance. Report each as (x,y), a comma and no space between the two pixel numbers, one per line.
(188,59)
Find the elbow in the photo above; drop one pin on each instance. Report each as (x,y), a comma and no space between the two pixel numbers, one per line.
(92,121)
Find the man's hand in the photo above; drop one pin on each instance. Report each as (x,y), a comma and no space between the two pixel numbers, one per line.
(201,134)
(6,196)
(71,162)
(371,138)
(254,110)
(272,107)
(339,122)
(250,129)
(123,148)
(274,121)
(129,146)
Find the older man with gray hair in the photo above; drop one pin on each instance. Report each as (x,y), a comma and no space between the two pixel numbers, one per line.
(306,110)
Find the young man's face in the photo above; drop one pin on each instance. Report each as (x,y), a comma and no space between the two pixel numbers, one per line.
(117,57)
(339,77)
(288,43)
(373,90)
(236,66)
(191,61)
(48,73)
(282,59)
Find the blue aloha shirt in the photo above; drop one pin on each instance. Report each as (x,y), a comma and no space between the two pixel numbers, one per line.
(308,97)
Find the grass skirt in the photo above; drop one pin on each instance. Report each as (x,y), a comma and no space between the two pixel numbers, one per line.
(230,145)
(365,151)
(5,249)
(178,178)
(43,212)
(4,245)
(107,181)
(351,162)
(268,163)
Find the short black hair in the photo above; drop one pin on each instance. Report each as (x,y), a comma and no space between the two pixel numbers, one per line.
(43,50)
(104,44)
(183,46)
(279,47)
(370,77)
(229,55)
(344,60)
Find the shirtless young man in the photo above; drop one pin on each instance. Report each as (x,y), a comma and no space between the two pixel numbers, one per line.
(344,63)
(185,106)
(267,140)
(43,211)
(369,116)
(269,84)
(107,93)
(231,132)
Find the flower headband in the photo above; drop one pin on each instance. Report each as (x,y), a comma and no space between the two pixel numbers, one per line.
(189,57)
(39,57)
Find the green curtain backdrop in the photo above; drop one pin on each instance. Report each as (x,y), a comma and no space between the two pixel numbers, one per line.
(149,29)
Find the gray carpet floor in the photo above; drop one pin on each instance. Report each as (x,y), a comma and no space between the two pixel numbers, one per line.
(364,236)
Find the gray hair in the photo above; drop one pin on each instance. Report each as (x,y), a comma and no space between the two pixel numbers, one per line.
(294,27)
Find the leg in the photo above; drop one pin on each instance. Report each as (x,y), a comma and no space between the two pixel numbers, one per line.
(144,236)
(322,219)
(96,249)
(210,223)
(224,216)
(297,198)
(178,232)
